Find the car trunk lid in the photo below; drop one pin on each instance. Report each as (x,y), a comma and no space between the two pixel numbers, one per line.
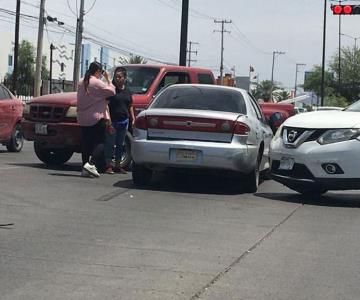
(199,125)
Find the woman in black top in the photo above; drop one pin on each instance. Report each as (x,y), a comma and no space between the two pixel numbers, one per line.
(121,113)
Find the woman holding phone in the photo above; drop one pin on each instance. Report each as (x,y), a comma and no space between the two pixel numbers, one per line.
(92,116)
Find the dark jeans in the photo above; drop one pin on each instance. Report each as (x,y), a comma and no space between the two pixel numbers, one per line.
(92,142)
(116,139)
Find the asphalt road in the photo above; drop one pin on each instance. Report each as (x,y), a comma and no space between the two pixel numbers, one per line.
(189,237)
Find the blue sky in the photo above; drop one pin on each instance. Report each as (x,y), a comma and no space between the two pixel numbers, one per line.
(152,28)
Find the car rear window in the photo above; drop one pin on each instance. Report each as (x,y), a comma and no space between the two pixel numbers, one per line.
(205,78)
(354,107)
(202,98)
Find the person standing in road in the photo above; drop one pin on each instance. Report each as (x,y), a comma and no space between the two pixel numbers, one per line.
(92,116)
(121,114)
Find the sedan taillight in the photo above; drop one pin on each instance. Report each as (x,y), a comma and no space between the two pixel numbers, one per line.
(141,123)
(241,128)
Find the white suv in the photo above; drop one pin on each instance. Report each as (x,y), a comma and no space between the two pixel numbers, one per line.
(318,151)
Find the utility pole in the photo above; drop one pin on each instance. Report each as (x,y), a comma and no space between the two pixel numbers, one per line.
(16,49)
(272,70)
(184,32)
(339,79)
(297,65)
(37,84)
(78,41)
(52,47)
(322,93)
(223,22)
(190,52)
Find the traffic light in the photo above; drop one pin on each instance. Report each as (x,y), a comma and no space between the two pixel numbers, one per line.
(345,9)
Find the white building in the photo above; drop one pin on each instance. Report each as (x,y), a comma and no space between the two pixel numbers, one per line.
(63,57)
(6,54)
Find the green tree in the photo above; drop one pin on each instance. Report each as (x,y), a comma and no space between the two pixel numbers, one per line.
(263,90)
(26,69)
(313,81)
(133,59)
(281,95)
(350,73)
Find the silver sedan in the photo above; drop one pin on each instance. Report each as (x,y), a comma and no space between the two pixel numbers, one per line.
(202,127)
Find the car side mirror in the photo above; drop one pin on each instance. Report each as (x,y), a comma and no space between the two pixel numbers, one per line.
(275,120)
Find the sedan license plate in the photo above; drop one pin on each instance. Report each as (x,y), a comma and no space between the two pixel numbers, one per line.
(41,129)
(286,163)
(185,155)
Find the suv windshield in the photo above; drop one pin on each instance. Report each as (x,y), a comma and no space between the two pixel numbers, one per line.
(202,98)
(139,79)
(354,107)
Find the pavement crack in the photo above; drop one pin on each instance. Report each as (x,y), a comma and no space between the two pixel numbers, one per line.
(221,274)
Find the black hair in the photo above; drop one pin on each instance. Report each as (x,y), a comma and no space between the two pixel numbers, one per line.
(93,68)
(119,69)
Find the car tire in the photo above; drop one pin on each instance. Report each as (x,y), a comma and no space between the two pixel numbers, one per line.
(141,175)
(16,142)
(126,158)
(253,178)
(309,191)
(55,157)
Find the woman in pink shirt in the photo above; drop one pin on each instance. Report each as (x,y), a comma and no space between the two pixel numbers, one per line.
(92,116)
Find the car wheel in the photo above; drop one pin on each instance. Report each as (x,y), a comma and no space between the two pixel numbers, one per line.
(253,178)
(126,158)
(52,156)
(17,140)
(141,175)
(309,191)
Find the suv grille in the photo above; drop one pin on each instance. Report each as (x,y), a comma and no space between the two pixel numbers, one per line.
(46,113)
(293,137)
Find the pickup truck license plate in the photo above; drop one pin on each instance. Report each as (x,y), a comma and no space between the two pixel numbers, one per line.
(41,129)
(185,155)
(286,163)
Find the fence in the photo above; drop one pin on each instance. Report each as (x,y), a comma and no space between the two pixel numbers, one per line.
(24,98)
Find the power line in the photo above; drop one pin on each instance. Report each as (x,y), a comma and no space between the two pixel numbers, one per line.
(91,7)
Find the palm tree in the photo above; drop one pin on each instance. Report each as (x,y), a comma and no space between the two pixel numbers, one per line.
(133,59)
(263,90)
(281,95)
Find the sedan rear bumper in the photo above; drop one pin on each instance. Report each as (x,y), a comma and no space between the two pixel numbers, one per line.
(159,154)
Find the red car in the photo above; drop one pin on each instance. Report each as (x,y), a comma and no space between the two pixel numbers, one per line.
(11,110)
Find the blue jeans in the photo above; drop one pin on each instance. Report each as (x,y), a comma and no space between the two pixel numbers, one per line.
(116,139)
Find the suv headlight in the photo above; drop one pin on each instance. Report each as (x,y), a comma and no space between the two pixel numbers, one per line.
(339,135)
(71,113)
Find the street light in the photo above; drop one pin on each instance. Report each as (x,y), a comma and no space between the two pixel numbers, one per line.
(354,38)
(297,65)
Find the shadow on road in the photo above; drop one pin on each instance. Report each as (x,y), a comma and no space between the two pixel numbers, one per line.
(67,167)
(189,183)
(329,199)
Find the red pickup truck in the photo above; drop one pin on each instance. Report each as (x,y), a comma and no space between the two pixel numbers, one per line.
(11,110)
(50,120)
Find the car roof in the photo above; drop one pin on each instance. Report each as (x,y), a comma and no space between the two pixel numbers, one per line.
(210,86)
